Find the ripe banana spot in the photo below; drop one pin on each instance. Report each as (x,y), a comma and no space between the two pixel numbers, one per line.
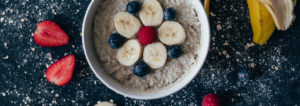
(150,10)
(173,34)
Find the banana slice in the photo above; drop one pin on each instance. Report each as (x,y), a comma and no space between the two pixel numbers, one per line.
(127,24)
(151,13)
(171,33)
(155,55)
(130,52)
(281,11)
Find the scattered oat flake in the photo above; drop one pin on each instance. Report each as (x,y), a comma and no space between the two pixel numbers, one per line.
(5,58)
(47,65)
(276,68)
(226,43)
(219,27)
(219,53)
(5,44)
(227,56)
(49,56)
(249,45)
(212,14)
(32,49)
(252,65)
(224,52)
(1,19)
(56,95)
(22,20)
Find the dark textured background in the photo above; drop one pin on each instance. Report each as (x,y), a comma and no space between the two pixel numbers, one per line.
(23,63)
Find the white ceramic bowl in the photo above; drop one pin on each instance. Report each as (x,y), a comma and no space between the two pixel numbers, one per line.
(92,57)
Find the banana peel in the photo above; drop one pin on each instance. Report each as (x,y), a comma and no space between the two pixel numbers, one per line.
(261,22)
(206,6)
(281,12)
(266,14)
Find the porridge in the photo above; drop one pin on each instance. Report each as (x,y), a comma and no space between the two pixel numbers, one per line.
(173,69)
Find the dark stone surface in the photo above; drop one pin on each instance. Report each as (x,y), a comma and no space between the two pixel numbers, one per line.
(23,63)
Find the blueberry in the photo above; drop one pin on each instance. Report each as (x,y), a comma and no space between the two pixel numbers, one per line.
(169,14)
(133,7)
(244,75)
(141,69)
(116,40)
(174,51)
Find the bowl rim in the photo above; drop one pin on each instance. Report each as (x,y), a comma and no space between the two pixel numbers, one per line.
(205,53)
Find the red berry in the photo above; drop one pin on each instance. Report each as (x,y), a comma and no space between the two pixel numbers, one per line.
(60,73)
(211,100)
(147,35)
(49,34)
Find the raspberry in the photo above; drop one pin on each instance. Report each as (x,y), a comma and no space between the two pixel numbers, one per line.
(147,35)
(211,100)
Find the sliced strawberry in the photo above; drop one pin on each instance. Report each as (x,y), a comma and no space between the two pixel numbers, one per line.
(49,34)
(60,73)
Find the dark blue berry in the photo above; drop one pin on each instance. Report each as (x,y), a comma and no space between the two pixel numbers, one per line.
(133,7)
(169,14)
(244,75)
(116,40)
(174,51)
(141,69)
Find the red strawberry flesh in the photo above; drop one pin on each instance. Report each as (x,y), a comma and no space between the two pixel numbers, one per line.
(49,34)
(60,73)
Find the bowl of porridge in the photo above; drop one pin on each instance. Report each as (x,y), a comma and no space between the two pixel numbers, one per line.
(161,81)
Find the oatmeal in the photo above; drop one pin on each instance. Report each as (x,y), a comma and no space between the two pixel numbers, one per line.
(172,71)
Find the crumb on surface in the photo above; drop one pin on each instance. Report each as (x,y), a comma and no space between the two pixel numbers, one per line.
(226,43)
(5,57)
(249,45)
(219,27)
(252,65)
(49,56)
(32,49)
(5,44)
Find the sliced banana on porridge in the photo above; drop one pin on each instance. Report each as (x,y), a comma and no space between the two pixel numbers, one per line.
(155,55)
(126,24)
(171,33)
(130,52)
(151,13)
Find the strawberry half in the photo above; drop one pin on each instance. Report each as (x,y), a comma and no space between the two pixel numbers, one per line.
(49,34)
(60,73)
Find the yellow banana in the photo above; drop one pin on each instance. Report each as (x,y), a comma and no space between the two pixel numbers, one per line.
(261,21)
(206,6)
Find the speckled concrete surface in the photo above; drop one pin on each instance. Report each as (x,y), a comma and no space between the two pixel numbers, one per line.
(23,63)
